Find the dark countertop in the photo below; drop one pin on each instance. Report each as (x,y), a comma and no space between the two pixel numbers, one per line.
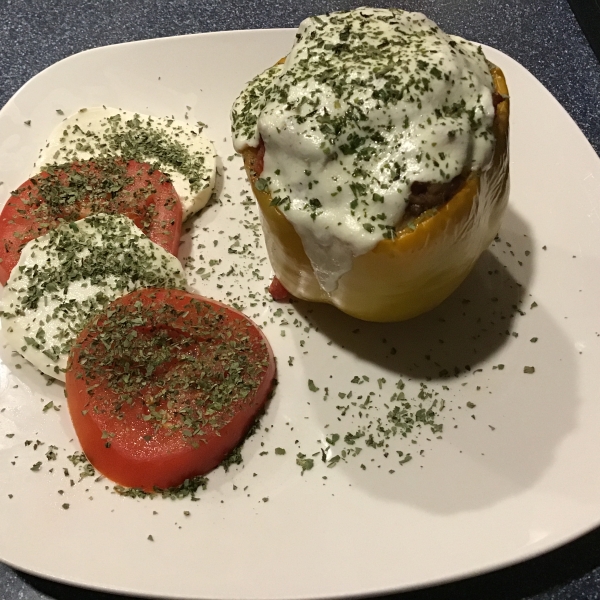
(543,35)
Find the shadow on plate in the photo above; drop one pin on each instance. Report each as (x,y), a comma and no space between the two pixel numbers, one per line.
(504,446)
(466,329)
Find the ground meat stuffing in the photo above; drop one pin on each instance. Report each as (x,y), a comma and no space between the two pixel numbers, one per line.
(424,196)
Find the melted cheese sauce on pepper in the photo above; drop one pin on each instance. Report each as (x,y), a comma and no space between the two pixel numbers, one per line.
(367,102)
(174,147)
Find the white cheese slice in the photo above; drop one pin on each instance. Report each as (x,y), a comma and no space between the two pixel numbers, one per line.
(179,150)
(71,273)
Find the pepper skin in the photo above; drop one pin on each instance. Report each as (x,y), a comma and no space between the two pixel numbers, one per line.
(418,269)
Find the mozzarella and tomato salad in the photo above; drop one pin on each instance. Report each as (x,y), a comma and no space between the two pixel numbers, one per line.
(68,274)
(71,191)
(161,384)
(169,145)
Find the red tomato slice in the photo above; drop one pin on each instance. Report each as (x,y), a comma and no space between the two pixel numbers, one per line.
(278,292)
(164,384)
(73,191)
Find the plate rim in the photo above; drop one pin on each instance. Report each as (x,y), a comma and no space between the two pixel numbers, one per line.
(464,575)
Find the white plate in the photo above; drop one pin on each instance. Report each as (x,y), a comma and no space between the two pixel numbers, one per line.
(477,499)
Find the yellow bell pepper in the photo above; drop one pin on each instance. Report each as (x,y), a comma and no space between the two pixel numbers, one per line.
(418,269)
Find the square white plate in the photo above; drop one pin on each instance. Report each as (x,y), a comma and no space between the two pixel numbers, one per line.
(517,469)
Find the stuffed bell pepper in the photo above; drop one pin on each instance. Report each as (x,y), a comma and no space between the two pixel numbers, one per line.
(378,153)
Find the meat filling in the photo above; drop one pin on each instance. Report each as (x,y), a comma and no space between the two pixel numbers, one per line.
(425,196)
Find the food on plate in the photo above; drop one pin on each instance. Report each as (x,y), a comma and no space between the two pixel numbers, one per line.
(71,191)
(378,153)
(278,292)
(70,273)
(163,384)
(171,146)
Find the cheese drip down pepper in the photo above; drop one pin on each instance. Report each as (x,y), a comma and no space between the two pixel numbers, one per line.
(374,259)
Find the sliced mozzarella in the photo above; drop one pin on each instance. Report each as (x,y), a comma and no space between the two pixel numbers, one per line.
(68,275)
(177,149)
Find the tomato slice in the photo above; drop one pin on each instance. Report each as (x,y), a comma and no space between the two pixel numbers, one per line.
(278,291)
(73,191)
(164,384)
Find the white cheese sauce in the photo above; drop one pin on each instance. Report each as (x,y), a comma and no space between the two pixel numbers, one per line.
(69,274)
(174,147)
(367,103)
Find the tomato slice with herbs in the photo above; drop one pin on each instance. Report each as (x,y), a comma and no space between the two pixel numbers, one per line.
(72,191)
(164,384)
